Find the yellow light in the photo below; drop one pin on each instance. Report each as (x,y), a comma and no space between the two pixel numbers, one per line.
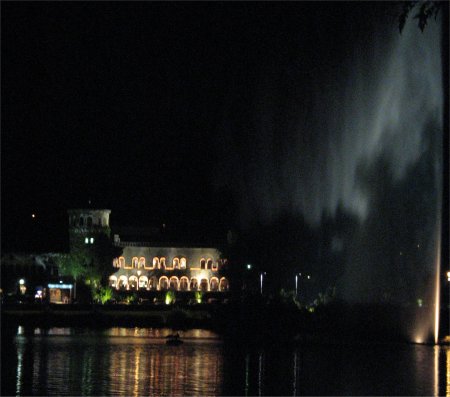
(33,215)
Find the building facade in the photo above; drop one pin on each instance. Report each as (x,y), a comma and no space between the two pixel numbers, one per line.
(144,266)
(147,265)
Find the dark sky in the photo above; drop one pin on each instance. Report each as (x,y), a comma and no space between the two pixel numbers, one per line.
(153,109)
(119,103)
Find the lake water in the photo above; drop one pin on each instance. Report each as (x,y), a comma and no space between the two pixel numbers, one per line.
(137,362)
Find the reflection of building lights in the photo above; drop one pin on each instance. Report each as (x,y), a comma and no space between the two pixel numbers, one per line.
(447,387)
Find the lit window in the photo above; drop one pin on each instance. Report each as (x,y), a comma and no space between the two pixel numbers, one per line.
(86,240)
(141,262)
(122,262)
(92,240)
(183,263)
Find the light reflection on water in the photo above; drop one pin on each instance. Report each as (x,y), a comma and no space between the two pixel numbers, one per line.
(136,361)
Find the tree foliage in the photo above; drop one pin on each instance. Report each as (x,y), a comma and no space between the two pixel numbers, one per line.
(91,263)
(103,294)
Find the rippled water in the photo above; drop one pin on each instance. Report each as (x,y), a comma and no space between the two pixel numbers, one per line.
(136,362)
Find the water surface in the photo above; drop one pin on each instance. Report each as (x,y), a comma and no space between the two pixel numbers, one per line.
(136,362)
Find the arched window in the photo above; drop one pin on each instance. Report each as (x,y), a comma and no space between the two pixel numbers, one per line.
(152,283)
(123,282)
(183,263)
(122,262)
(223,285)
(116,262)
(155,263)
(202,263)
(184,283)
(162,263)
(143,282)
(209,263)
(173,284)
(176,263)
(215,266)
(113,281)
(89,221)
(133,282)
(204,285)
(81,221)
(214,284)
(141,263)
(193,284)
(134,262)
(163,283)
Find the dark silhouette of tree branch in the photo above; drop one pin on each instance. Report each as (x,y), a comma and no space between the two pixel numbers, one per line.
(427,9)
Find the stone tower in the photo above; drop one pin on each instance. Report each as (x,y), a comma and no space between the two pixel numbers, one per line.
(85,225)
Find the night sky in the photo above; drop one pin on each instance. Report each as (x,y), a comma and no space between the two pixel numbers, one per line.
(203,116)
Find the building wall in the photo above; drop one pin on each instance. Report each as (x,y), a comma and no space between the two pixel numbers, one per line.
(85,225)
(161,268)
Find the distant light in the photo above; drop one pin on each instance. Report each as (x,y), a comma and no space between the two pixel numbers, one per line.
(309,276)
(63,286)
(33,215)
(92,240)
(448,276)
(419,302)
(60,281)
(86,240)
(249,266)
(21,281)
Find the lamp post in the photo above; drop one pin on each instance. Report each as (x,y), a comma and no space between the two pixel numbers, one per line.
(448,279)
(261,280)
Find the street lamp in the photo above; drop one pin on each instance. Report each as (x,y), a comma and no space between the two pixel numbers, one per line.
(448,279)
(261,279)
(296,283)
(22,287)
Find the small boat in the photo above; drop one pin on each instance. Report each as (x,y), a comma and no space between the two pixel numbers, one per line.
(173,340)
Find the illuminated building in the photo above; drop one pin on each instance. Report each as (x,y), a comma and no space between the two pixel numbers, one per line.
(151,266)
